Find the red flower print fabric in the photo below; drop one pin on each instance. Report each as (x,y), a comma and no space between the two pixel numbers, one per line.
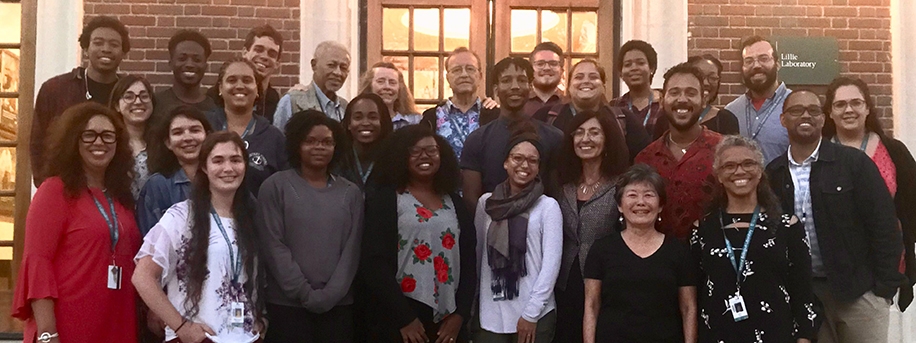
(408,284)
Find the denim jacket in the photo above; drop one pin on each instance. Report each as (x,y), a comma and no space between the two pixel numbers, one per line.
(160,193)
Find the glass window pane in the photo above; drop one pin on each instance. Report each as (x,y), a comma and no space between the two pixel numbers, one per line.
(11,17)
(9,70)
(584,33)
(553,28)
(457,28)
(426,78)
(524,30)
(9,120)
(426,29)
(7,183)
(395,28)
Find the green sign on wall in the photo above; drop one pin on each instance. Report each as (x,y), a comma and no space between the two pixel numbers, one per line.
(807,60)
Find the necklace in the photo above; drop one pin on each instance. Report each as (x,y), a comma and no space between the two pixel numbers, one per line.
(593,187)
(683,147)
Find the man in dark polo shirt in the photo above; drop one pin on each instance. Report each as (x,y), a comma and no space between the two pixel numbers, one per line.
(485,148)
(188,54)
(105,42)
(547,60)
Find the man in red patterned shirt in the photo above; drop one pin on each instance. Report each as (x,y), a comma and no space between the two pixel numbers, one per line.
(684,154)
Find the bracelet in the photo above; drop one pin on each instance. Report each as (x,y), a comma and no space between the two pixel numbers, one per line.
(45,337)
(183,322)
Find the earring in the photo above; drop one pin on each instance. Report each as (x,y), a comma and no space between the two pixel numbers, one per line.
(620,219)
(659,219)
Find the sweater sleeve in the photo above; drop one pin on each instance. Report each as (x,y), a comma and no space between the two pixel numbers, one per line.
(283,113)
(41,119)
(467,241)
(277,255)
(378,267)
(552,250)
(45,225)
(338,285)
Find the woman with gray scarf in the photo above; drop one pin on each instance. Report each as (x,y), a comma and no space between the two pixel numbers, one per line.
(519,233)
(594,153)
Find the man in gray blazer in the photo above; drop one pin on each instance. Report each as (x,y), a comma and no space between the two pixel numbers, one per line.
(330,67)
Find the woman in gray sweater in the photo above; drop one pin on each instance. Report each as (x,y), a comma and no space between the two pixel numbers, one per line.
(594,154)
(310,225)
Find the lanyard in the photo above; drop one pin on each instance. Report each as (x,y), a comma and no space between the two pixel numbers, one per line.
(739,266)
(111,221)
(649,107)
(861,146)
(236,259)
(703,114)
(359,167)
(248,128)
(767,109)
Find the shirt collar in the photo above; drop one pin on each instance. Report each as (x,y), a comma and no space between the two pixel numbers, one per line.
(474,108)
(180,177)
(810,159)
(324,98)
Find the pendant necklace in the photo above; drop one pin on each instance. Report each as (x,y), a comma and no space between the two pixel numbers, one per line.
(682,147)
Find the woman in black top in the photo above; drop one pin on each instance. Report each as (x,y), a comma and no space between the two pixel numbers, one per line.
(714,118)
(421,291)
(366,124)
(639,284)
(752,255)
(594,153)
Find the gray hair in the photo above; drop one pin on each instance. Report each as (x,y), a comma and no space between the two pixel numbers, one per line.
(328,45)
(732,141)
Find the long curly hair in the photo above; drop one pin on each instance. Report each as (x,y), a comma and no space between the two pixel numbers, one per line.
(615,158)
(393,164)
(766,198)
(405,103)
(161,159)
(63,155)
(118,91)
(201,205)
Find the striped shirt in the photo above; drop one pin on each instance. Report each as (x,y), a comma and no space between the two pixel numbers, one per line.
(801,178)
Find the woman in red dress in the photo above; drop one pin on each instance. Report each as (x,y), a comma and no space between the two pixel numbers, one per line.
(74,283)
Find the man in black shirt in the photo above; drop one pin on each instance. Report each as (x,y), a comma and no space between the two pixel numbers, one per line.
(188,54)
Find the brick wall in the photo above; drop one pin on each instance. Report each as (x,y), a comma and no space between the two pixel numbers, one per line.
(225,22)
(862,29)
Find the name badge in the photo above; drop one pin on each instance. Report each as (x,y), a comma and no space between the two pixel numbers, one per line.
(737,307)
(237,313)
(500,295)
(114,277)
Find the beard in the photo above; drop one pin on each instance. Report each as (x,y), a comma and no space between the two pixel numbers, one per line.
(546,87)
(694,118)
(760,87)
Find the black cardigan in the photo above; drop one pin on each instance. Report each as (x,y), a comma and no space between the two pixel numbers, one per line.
(379,262)
(430,118)
(905,202)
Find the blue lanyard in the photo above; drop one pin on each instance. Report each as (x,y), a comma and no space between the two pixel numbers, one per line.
(247,129)
(649,107)
(236,259)
(703,114)
(111,221)
(739,266)
(767,108)
(359,167)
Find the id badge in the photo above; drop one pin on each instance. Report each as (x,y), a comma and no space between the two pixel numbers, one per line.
(237,313)
(500,295)
(114,277)
(737,307)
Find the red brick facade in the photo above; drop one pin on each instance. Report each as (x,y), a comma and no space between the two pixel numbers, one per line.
(225,22)
(862,28)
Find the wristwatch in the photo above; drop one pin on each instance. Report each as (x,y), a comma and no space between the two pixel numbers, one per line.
(45,337)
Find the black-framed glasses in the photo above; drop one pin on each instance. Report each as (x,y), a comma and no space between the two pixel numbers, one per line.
(430,150)
(857,104)
(323,142)
(799,110)
(544,64)
(732,167)
(518,159)
(131,97)
(90,136)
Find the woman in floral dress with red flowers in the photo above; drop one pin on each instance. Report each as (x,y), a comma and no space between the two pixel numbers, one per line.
(423,291)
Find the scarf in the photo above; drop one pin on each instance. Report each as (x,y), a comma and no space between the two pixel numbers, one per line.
(507,235)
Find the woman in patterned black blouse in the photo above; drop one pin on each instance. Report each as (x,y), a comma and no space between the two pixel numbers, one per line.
(762,294)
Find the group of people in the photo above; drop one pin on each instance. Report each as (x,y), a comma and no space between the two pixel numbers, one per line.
(544,215)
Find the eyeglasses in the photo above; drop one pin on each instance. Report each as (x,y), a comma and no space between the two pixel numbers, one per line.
(762,59)
(430,150)
(799,110)
(465,68)
(544,64)
(732,167)
(857,104)
(518,159)
(131,97)
(311,142)
(89,136)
